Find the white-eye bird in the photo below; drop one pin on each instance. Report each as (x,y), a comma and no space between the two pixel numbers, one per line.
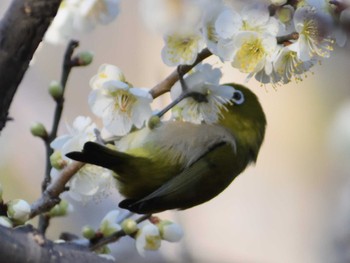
(177,164)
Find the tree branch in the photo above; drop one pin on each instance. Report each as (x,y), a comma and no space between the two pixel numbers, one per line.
(25,244)
(51,195)
(165,85)
(21,31)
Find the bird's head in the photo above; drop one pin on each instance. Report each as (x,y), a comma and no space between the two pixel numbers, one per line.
(245,118)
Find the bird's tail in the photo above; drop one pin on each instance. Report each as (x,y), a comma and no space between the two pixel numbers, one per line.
(100,155)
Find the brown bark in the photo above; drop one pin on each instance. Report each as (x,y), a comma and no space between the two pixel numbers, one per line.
(21,31)
(25,244)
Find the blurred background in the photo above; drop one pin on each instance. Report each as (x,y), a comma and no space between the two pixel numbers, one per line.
(292,206)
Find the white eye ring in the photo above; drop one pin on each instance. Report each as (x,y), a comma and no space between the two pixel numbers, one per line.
(238,97)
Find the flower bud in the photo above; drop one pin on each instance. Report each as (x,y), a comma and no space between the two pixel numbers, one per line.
(57,161)
(18,210)
(5,221)
(285,13)
(60,209)
(153,122)
(84,58)
(170,231)
(56,90)
(129,226)
(38,130)
(88,232)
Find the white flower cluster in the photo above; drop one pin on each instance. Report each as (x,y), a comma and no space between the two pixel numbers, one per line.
(80,16)
(124,108)
(271,40)
(147,237)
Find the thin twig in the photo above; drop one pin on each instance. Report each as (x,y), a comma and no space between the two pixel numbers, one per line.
(67,66)
(186,92)
(66,69)
(165,85)
(51,195)
(287,38)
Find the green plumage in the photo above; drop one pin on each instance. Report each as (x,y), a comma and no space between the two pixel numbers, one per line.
(177,165)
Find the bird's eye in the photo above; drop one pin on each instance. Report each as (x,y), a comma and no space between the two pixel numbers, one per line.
(238,97)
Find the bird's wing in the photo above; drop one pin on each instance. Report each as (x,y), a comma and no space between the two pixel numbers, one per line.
(194,185)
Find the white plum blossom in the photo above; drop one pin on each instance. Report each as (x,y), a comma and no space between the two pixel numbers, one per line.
(182,48)
(148,238)
(105,73)
(120,106)
(287,64)
(253,19)
(204,80)
(117,103)
(80,16)
(210,15)
(314,40)
(247,39)
(228,23)
(325,12)
(90,182)
(254,52)
(286,67)
(82,130)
